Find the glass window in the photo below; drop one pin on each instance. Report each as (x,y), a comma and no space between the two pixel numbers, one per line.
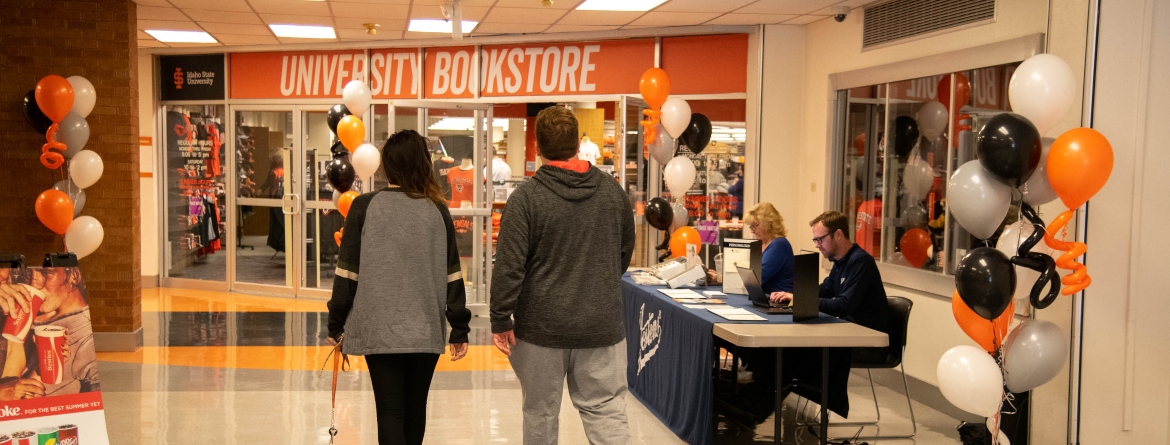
(195,150)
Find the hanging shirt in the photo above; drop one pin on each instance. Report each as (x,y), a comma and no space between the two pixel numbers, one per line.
(869,227)
(461,186)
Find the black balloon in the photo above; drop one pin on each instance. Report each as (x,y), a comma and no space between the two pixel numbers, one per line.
(340,172)
(1009,148)
(659,214)
(905,135)
(1038,262)
(698,133)
(986,280)
(33,114)
(335,114)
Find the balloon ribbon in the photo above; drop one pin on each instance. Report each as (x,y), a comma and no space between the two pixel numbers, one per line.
(1079,279)
(650,126)
(50,159)
(1037,261)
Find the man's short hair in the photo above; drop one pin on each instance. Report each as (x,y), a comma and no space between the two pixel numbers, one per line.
(556,133)
(833,221)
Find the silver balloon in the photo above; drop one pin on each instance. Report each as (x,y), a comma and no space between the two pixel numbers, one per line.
(78,203)
(1034,353)
(1036,190)
(663,146)
(915,216)
(75,193)
(73,131)
(681,217)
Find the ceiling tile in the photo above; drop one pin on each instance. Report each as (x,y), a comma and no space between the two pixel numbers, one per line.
(804,20)
(655,18)
(160,3)
(233,28)
(750,19)
(535,4)
(208,15)
(370,10)
(509,28)
(356,23)
(475,13)
(193,45)
(171,25)
(244,39)
(786,6)
(143,35)
(298,7)
(150,43)
(465,3)
(155,13)
(530,16)
(221,5)
(428,35)
(285,19)
(360,34)
(579,28)
(599,18)
(702,5)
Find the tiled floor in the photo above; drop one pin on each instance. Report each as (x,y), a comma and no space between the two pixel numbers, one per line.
(230,368)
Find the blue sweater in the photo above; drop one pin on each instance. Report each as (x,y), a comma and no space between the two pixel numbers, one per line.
(777,267)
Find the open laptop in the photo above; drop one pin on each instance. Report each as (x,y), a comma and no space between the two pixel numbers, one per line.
(805,290)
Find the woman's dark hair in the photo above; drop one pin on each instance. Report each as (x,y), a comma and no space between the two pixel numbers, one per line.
(408,165)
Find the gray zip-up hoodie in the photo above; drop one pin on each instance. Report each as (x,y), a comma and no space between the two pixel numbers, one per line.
(565,240)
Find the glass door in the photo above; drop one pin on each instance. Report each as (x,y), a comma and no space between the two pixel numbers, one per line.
(267,177)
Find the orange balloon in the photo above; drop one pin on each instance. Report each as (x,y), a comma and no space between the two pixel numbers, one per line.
(352,131)
(680,238)
(54,97)
(1079,164)
(655,87)
(55,210)
(915,245)
(962,90)
(988,334)
(337,237)
(344,201)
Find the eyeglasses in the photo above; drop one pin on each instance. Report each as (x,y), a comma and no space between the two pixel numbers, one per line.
(818,240)
(753,226)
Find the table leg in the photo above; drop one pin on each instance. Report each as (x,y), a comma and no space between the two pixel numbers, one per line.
(824,396)
(779,429)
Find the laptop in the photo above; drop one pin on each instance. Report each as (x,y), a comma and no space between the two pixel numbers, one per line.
(805,290)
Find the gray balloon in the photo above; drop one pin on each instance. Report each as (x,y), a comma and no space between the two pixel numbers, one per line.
(78,203)
(1034,353)
(663,147)
(73,131)
(75,193)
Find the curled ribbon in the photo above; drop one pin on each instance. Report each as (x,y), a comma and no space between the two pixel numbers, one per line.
(1079,279)
(50,159)
(650,126)
(1037,261)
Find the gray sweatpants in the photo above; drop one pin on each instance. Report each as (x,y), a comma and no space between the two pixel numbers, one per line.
(597,386)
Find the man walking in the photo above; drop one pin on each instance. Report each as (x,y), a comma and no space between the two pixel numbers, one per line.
(565,240)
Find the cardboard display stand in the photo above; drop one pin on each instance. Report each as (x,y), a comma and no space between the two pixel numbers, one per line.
(739,253)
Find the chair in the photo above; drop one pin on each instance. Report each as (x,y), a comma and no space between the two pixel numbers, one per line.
(899,325)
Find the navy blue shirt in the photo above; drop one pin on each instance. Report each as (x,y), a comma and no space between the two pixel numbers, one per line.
(854,291)
(776,267)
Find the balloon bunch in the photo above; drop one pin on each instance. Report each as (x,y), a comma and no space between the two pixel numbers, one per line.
(58,107)
(1013,157)
(351,134)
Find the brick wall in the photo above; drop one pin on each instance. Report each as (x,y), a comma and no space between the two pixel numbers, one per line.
(95,39)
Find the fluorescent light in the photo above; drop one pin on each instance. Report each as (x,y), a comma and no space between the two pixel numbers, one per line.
(619,5)
(464,124)
(438,25)
(304,31)
(181,36)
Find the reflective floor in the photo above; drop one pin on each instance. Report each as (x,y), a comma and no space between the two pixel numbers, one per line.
(230,368)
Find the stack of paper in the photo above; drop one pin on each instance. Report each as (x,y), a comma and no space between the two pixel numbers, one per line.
(681,294)
(735,314)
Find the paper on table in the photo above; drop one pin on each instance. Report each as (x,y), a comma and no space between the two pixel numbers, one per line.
(681,294)
(729,311)
(700,306)
(743,317)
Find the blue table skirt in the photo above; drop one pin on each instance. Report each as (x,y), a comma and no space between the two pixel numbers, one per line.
(671,354)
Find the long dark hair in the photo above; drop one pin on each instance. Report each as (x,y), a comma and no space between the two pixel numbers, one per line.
(408,165)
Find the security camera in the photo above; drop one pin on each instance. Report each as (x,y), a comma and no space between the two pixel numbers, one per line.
(839,13)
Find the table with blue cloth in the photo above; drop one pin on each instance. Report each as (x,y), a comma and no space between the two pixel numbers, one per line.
(671,352)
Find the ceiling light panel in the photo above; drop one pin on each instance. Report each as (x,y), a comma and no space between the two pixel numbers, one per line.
(619,5)
(181,36)
(437,25)
(303,32)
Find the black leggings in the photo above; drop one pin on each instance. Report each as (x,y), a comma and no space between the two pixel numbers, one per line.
(401,383)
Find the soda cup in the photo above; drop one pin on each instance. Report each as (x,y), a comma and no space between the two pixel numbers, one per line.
(24,438)
(50,348)
(5,439)
(47,436)
(19,322)
(66,435)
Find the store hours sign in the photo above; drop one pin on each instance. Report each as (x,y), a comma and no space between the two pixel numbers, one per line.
(198,77)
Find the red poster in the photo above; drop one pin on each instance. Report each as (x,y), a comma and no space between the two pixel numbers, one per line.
(545,69)
(306,74)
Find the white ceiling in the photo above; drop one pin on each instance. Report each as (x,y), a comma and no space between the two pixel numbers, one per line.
(244,22)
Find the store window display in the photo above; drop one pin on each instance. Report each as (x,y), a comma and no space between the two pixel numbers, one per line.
(194,157)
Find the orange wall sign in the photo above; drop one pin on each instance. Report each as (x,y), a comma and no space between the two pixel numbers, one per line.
(448,73)
(706,64)
(306,74)
(393,73)
(609,67)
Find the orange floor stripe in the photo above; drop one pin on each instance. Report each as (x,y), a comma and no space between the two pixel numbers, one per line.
(297,358)
(193,300)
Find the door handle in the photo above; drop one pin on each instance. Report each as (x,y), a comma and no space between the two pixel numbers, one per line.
(290,204)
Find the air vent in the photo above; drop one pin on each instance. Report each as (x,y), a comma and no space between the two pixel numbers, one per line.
(900,20)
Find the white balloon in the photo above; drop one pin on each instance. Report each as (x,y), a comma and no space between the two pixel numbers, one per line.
(899,259)
(663,147)
(1037,190)
(991,426)
(969,378)
(977,200)
(932,120)
(918,177)
(681,216)
(78,202)
(1042,89)
(84,235)
(1009,242)
(680,176)
(336,196)
(676,116)
(84,95)
(356,97)
(73,131)
(85,168)
(365,160)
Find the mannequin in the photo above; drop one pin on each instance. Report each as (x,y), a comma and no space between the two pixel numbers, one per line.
(588,151)
(466,164)
(460,179)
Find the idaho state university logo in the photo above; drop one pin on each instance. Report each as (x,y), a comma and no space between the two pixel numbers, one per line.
(651,337)
(178,78)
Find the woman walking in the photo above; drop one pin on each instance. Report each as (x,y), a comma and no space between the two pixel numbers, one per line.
(398,286)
